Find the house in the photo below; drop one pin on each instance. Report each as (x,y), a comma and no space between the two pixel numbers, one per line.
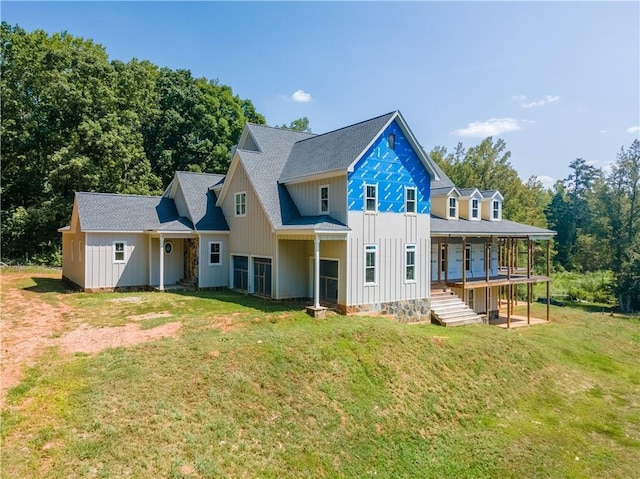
(346,219)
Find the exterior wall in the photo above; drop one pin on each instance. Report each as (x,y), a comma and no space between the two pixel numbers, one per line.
(306,196)
(293,269)
(250,234)
(335,250)
(479,300)
(173,263)
(390,232)
(213,276)
(102,272)
(74,257)
(455,259)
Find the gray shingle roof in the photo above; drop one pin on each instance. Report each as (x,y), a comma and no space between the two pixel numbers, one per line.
(111,212)
(201,202)
(331,151)
(442,191)
(440,226)
(444,181)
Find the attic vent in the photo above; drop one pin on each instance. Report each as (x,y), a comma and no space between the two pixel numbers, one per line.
(392,141)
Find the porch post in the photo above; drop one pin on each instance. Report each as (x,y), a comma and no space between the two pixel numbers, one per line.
(316,279)
(464,262)
(446,261)
(150,260)
(509,251)
(161,286)
(487,267)
(509,289)
(548,276)
(439,254)
(529,289)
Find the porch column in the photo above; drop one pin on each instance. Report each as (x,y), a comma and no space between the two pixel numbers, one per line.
(509,251)
(548,276)
(161,286)
(529,291)
(446,261)
(487,266)
(439,254)
(150,260)
(316,279)
(509,291)
(464,262)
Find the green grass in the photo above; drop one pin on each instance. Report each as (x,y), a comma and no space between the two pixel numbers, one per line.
(258,389)
(592,287)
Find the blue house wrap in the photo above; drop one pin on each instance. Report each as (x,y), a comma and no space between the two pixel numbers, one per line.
(393,170)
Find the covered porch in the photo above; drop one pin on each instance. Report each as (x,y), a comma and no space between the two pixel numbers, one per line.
(173,260)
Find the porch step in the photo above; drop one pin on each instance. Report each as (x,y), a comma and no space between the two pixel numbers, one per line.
(449,310)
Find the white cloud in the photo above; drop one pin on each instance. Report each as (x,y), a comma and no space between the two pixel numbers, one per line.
(492,127)
(547,100)
(547,181)
(633,129)
(301,96)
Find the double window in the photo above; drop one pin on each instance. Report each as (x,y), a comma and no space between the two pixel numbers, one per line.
(324,199)
(241,204)
(410,262)
(410,200)
(371,260)
(119,251)
(215,253)
(371,197)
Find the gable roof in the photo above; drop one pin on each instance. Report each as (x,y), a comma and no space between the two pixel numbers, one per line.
(201,200)
(470,192)
(114,212)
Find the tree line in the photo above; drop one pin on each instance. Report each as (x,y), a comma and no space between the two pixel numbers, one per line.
(73,120)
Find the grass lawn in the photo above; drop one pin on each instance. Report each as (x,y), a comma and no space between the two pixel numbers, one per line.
(249,388)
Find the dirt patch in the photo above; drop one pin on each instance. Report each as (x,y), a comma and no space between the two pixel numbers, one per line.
(32,321)
(86,339)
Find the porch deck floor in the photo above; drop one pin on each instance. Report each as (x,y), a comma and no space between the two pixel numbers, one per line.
(517,321)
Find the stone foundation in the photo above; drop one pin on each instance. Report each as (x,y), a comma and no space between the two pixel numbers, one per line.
(407,311)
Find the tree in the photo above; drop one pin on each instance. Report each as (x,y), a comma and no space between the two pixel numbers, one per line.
(301,124)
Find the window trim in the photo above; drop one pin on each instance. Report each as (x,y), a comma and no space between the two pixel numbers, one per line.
(371,249)
(219,263)
(455,207)
(467,258)
(170,245)
(409,248)
(328,199)
(115,252)
(366,197)
(243,195)
(414,201)
(496,210)
(475,211)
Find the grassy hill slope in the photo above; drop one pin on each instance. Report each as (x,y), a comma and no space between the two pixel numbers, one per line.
(258,389)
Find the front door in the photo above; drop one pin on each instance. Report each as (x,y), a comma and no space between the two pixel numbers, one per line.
(262,276)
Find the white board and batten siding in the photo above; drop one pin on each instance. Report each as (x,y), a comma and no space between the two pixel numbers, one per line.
(390,232)
(103,272)
(250,234)
(173,263)
(306,196)
(214,276)
(293,270)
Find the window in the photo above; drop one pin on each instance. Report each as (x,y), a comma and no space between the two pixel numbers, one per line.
(467,258)
(410,260)
(496,210)
(371,197)
(215,253)
(453,207)
(241,204)
(410,200)
(118,251)
(168,247)
(324,199)
(443,258)
(392,141)
(370,252)
(474,208)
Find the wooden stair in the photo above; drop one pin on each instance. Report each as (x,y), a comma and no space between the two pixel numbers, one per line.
(449,310)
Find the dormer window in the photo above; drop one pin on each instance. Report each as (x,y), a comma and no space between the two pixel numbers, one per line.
(495,209)
(392,141)
(453,207)
(475,208)
(324,199)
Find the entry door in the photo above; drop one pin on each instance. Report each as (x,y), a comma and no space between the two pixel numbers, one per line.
(329,281)
(262,276)
(241,273)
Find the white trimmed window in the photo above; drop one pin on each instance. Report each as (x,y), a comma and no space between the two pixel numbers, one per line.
(241,203)
(215,253)
(475,208)
(119,251)
(371,260)
(467,257)
(410,262)
(410,200)
(453,207)
(324,199)
(443,258)
(495,209)
(371,197)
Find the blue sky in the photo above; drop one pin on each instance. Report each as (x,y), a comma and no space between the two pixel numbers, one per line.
(557,81)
